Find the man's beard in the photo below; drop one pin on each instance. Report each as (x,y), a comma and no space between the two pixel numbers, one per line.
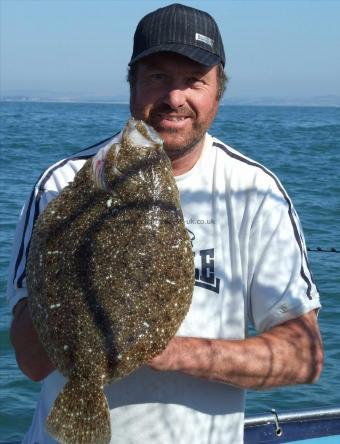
(175,152)
(189,143)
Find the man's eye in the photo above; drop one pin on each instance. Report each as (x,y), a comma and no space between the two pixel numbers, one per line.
(157,76)
(195,81)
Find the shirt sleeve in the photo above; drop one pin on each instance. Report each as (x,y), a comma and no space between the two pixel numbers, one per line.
(16,283)
(281,283)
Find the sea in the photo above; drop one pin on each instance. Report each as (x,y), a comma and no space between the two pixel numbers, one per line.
(301,145)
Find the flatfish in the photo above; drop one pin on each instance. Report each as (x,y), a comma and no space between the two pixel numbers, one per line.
(110,277)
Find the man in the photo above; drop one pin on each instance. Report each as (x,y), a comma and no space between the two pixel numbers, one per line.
(250,258)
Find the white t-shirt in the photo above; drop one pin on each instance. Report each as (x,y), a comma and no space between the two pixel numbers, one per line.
(251,265)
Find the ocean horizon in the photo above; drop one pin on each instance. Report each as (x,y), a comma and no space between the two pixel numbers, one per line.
(317,101)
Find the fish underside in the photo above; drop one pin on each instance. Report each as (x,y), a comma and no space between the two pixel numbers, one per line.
(110,277)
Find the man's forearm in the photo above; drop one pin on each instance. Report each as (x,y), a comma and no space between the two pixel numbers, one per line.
(290,353)
(31,356)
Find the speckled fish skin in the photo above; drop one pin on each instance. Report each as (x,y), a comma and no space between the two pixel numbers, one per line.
(110,277)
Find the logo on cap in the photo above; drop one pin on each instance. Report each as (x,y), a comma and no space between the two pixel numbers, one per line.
(204,39)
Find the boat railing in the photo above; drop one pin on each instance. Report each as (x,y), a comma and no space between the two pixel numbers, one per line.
(283,427)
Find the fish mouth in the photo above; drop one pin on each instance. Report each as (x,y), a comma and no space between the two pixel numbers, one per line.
(141,134)
(136,133)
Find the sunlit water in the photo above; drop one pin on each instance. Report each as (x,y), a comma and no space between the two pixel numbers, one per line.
(300,145)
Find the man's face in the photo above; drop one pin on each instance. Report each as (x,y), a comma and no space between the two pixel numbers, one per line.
(178,97)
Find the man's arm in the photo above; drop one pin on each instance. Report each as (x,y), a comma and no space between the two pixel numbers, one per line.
(290,353)
(30,355)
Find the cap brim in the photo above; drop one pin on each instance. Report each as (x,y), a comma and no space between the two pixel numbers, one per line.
(199,55)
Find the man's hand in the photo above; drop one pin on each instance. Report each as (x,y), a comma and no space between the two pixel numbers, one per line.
(290,353)
(31,357)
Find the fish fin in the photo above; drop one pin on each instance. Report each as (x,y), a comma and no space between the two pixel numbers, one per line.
(80,415)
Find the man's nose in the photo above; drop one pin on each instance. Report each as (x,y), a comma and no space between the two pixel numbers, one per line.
(175,97)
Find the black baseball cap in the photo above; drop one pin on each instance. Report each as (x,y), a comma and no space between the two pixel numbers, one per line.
(181,29)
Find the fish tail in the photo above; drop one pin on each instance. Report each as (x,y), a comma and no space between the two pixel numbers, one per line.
(80,415)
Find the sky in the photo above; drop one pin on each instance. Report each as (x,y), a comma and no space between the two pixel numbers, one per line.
(286,49)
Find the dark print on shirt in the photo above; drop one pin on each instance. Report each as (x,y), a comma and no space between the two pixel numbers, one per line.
(205,274)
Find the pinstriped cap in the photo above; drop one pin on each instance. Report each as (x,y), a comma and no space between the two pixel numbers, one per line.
(181,29)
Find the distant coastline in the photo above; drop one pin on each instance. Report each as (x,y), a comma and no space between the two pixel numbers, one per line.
(29,99)
(320,101)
